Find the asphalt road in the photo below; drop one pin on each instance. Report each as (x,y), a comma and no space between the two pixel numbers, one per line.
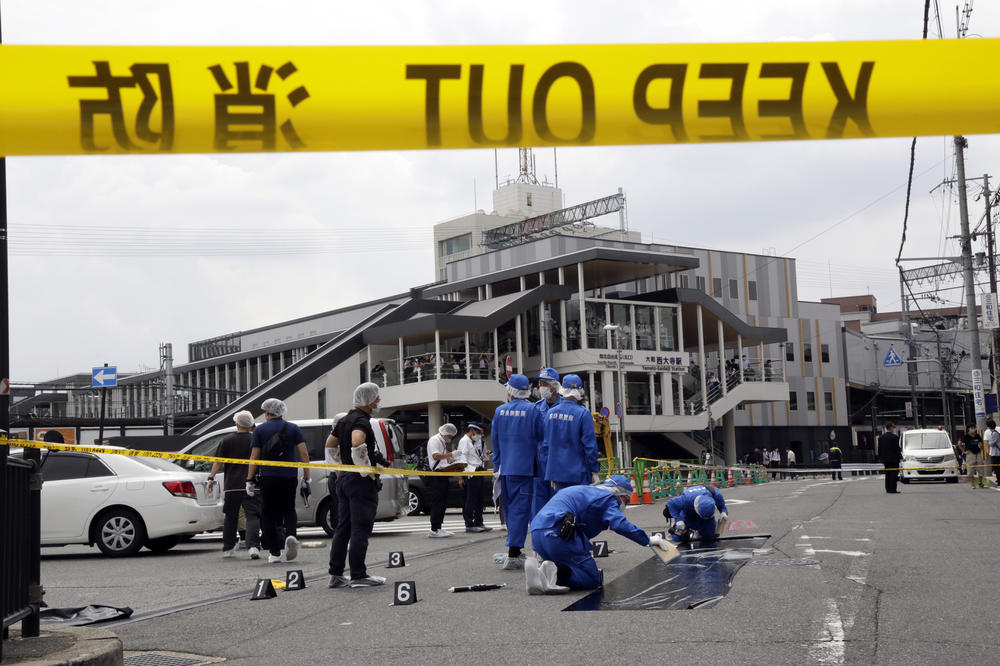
(850,575)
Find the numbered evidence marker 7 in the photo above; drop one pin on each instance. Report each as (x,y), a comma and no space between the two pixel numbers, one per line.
(405,593)
(600,548)
(263,589)
(396,560)
(294,580)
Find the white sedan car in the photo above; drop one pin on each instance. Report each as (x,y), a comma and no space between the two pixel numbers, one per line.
(122,503)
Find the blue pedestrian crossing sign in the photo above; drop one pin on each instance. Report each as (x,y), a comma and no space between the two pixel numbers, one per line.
(892,359)
(104,377)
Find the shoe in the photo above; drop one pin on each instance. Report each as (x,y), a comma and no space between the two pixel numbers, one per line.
(242,545)
(368,581)
(549,572)
(228,553)
(338,581)
(514,563)
(254,553)
(291,548)
(484,528)
(475,528)
(274,559)
(439,534)
(533,582)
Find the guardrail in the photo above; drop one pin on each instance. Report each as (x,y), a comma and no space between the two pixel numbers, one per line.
(20,552)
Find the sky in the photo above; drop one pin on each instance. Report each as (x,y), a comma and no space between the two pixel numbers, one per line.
(91,282)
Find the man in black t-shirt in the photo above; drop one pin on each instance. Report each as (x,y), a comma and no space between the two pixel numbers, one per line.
(972,444)
(237,445)
(890,455)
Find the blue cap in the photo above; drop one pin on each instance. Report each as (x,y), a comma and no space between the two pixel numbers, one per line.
(572,382)
(549,374)
(618,482)
(518,382)
(704,506)
(474,425)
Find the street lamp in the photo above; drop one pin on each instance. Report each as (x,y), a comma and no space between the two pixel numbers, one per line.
(621,393)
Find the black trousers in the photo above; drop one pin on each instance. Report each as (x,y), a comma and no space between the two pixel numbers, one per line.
(995,461)
(357,500)
(836,473)
(437,497)
(472,511)
(891,478)
(277,517)
(231,504)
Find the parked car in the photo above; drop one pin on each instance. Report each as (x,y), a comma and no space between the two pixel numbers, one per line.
(928,456)
(418,499)
(122,503)
(392,499)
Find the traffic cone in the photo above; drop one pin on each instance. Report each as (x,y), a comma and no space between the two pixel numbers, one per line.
(635,496)
(714,483)
(647,496)
(729,478)
(687,484)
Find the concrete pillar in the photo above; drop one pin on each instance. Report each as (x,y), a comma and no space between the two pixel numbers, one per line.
(701,356)
(652,394)
(434,420)
(562,314)
(739,355)
(517,341)
(667,393)
(729,436)
(583,306)
(722,358)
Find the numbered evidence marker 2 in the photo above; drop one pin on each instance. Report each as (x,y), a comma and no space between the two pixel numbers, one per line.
(263,589)
(294,580)
(600,548)
(405,593)
(396,560)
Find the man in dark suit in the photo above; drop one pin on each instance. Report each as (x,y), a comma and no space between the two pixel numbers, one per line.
(890,456)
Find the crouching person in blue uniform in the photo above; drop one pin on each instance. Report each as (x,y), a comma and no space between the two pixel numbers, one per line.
(562,530)
(694,511)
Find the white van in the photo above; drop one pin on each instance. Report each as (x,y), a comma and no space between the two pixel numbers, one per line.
(928,456)
(393,499)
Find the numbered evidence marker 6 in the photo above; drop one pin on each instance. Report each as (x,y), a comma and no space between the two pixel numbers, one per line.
(600,548)
(405,593)
(396,560)
(294,580)
(263,589)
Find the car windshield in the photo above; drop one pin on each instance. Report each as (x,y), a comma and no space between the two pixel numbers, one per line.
(158,463)
(926,440)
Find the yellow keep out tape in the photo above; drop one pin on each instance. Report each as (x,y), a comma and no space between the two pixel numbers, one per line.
(167,455)
(61,100)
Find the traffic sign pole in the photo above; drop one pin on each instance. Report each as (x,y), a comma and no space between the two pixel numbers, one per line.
(100,427)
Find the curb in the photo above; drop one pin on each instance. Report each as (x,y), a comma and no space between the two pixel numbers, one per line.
(64,646)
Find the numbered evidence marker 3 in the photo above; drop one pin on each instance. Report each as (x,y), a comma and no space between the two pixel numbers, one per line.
(396,560)
(600,549)
(405,593)
(294,580)
(263,589)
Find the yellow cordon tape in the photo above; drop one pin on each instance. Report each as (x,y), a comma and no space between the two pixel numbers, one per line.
(167,455)
(61,100)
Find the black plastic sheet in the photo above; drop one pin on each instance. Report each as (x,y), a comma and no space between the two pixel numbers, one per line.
(698,578)
(81,615)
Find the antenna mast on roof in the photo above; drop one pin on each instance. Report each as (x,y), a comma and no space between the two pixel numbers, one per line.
(527,166)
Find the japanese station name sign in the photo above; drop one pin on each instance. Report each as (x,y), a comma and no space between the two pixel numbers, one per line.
(122,99)
(647,361)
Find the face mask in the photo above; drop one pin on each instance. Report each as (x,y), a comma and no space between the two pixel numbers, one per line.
(476,438)
(545,392)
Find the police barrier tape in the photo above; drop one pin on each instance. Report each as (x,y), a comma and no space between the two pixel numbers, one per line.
(134,99)
(800,470)
(168,455)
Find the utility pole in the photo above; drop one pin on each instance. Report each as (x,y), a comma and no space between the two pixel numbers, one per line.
(971,311)
(911,364)
(167,359)
(990,252)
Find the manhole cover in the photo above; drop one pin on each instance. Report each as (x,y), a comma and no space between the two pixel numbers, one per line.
(791,562)
(167,659)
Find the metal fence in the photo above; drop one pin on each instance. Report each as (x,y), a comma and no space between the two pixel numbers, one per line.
(20,593)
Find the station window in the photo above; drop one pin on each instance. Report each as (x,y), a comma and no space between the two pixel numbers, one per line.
(527,199)
(811,401)
(807,352)
(717,287)
(454,245)
(793,401)
(828,400)
(789,351)
(683,281)
(734,289)
(699,282)
(321,404)
(824,351)
(752,289)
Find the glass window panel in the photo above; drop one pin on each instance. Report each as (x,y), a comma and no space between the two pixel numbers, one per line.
(645,333)
(596,319)
(637,393)
(668,329)
(573,324)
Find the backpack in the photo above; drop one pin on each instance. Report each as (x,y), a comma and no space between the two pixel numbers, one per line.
(274,447)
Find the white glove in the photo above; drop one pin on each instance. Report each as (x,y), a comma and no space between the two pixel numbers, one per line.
(724,515)
(496,473)
(656,540)
(308,482)
(251,489)
(679,526)
(595,478)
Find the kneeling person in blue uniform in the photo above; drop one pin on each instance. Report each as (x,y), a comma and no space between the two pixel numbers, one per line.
(562,530)
(694,511)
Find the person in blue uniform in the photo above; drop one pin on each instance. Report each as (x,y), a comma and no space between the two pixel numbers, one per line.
(570,444)
(548,391)
(516,432)
(567,561)
(694,511)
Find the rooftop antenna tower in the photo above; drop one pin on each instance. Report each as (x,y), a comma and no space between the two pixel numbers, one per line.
(526,162)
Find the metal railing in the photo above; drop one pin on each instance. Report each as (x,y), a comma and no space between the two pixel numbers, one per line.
(20,553)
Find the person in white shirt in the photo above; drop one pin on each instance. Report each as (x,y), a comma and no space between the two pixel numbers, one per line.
(790,457)
(991,439)
(470,451)
(439,457)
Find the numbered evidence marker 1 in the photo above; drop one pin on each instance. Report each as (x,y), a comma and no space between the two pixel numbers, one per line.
(294,580)
(263,589)
(396,560)
(600,548)
(405,593)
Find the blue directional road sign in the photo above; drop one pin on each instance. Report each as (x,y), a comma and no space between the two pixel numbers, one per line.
(104,377)
(892,359)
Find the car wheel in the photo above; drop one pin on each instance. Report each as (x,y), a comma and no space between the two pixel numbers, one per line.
(324,517)
(415,503)
(119,533)
(163,544)
(952,479)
